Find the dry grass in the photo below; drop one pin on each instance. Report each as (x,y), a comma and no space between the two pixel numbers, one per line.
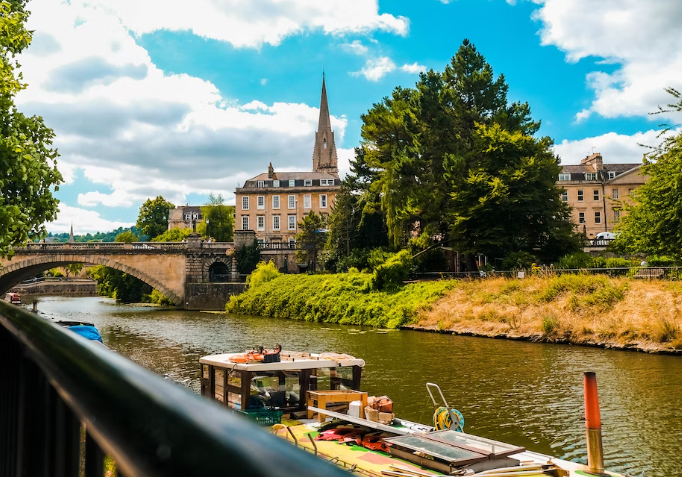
(578,308)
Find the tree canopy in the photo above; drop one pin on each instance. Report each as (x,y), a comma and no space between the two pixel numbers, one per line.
(153,217)
(126,237)
(218,219)
(311,238)
(28,166)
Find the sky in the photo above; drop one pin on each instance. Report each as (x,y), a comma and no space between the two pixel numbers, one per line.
(180,99)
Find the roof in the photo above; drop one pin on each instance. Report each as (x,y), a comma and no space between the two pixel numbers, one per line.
(291,360)
(577,168)
(286,176)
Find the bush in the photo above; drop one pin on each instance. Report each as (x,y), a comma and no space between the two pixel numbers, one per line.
(549,325)
(377,257)
(518,260)
(576,260)
(353,270)
(390,274)
(55,272)
(661,261)
(159,298)
(618,262)
(263,273)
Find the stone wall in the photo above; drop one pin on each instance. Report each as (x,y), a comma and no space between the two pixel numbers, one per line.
(65,288)
(210,296)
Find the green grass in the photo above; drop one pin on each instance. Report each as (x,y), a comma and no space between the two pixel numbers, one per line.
(346,298)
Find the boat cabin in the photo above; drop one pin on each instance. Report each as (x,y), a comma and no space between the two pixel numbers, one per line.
(244,382)
(13,298)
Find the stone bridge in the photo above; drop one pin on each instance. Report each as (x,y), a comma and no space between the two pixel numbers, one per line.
(185,272)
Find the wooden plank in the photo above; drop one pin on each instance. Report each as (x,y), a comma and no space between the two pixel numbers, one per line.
(363,422)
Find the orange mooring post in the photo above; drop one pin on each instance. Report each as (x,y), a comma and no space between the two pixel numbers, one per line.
(595,453)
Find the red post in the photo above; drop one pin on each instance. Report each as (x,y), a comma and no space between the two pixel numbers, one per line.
(595,452)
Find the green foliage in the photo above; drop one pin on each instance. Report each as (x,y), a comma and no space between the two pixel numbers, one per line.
(346,298)
(73,269)
(248,258)
(263,273)
(119,285)
(550,324)
(618,262)
(653,224)
(173,235)
(518,260)
(576,260)
(153,217)
(157,297)
(28,165)
(99,236)
(391,274)
(662,261)
(126,237)
(311,239)
(218,219)
(55,272)
(595,290)
(376,257)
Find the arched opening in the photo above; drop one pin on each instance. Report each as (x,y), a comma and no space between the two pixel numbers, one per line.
(219,272)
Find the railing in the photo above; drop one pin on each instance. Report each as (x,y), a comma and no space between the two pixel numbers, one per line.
(66,402)
(279,246)
(668,273)
(598,242)
(113,246)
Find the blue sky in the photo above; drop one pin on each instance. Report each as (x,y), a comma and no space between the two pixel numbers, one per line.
(150,97)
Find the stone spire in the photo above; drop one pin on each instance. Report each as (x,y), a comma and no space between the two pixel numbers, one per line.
(71,240)
(324,153)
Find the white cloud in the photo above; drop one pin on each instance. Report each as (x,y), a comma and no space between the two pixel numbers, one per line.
(139,132)
(413,68)
(252,23)
(356,47)
(83,221)
(376,68)
(264,81)
(614,148)
(641,36)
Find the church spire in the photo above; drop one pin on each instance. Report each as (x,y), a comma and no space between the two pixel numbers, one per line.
(71,240)
(324,152)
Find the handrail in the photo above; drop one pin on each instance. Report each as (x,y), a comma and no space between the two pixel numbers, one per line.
(150,426)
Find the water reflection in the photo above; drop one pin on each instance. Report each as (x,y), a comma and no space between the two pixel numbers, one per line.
(523,393)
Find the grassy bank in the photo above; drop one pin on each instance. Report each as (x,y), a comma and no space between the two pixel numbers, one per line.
(346,298)
(580,309)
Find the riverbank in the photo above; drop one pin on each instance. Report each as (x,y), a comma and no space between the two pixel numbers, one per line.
(617,313)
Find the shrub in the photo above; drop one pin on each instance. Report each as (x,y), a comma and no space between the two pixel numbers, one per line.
(263,273)
(56,273)
(159,298)
(618,262)
(377,257)
(661,261)
(390,274)
(549,325)
(353,270)
(518,260)
(576,260)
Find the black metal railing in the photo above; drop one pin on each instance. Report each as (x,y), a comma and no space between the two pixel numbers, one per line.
(66,403)
(667,273)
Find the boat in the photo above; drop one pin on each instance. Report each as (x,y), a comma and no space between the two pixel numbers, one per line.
(13,298)
(314,400)
(82,328)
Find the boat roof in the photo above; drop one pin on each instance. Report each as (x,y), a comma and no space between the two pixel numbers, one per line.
(290,360)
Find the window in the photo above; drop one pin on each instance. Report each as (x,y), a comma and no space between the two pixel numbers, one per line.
(597,217)
(308,182)
(616,215)
(292,183)
(590,176)
(581,217)
(564,196)
(292,222)
(615,194)
(630,191)
(245,203)
(564,177)
(612,175)
(245,222)
(306,201)
(275,202)
(275,222)
(596,194)
(323,201)
(292,242)
(292,202)
(580,196)
(326,182)
(261,202)
(275,183)
(261,223)
(261,183)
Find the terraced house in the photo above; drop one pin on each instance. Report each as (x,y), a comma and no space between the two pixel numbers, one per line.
(597,192)
(273,203)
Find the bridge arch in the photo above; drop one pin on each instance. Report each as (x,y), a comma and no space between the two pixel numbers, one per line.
(15,272)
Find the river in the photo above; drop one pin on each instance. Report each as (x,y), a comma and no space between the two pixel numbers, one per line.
(528,394)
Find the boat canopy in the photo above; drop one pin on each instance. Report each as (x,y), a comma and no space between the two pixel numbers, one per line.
(290,360)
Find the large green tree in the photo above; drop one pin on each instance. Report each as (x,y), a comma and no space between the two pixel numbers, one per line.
(455,160)
(311,238)
(28,166)
(218,219)
(153,217)
(653,224)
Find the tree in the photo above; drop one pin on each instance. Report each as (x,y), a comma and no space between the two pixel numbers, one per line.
(248,258)
(28,166)
(126,237)
(153,217)
(311,238)
(218,219)
(653,224)
(173,235)
(74,268)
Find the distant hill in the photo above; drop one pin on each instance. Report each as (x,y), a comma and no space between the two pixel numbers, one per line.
(98,237)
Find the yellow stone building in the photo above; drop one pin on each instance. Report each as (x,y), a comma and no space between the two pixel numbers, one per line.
(597,192)
(273,203)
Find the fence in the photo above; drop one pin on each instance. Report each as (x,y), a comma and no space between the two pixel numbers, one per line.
(65,402)
(669,273)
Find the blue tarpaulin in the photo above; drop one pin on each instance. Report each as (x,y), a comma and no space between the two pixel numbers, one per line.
(89,332)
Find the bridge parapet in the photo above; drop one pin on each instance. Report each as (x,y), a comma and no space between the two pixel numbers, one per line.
(108,247)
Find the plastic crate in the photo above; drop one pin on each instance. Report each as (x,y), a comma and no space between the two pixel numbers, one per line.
(264,417)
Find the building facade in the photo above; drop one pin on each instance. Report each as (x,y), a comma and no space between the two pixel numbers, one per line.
(597,192)
(273,203)
(183,216)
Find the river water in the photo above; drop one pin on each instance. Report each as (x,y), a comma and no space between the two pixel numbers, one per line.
(528,394)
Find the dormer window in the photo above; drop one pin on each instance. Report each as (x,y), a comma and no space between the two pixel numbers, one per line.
(275,183)
(261,183)
(590,176)
(564,177)
(308,182)
(292,183)
(612,175)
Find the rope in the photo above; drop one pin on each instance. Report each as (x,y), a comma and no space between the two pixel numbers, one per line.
(442,420)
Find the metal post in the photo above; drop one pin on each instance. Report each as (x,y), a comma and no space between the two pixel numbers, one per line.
(94,458)
(595,452)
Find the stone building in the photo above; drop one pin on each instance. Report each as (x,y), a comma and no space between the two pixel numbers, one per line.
(273,203)
(182,216)
(597,192)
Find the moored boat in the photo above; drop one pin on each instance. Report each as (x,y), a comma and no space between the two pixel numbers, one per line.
(13,298)
(315,401)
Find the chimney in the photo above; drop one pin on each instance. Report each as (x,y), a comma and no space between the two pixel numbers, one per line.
(271,171)
(595,160)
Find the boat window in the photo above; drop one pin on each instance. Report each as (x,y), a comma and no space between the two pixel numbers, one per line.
(204,371)
(234,378)
(219,384)
(320,379)
(275,389)
(234,400)
(344,379)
